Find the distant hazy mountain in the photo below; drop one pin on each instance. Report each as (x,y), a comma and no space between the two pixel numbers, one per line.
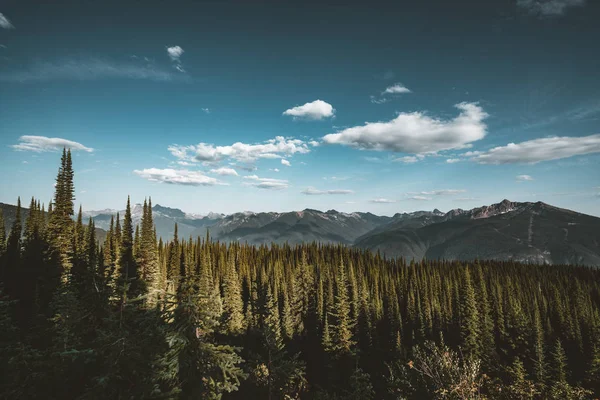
(529,232)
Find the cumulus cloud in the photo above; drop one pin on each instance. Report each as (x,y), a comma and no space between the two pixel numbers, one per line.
(315,110)
(224,171)
(266,183)
(549,8)
(90,69)
(537,150)
(5,23)
(175,52)
(416,133)
(314,143)
(524,178)
(41,144)
(398,88)
(453,160)
(177,177)
(286,162)
(382,200)
(274,169)
(206,110)
(249,153)
(315,192)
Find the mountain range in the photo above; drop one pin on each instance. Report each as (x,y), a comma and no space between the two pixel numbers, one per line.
(519,231)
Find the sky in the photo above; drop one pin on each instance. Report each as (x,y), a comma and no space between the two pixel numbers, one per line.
(222,106)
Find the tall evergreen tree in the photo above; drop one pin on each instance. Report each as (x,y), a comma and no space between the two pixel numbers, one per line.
(469,317)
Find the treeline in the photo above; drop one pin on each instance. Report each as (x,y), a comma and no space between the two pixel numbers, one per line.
(137,318)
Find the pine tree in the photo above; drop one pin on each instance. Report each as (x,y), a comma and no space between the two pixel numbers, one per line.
(233,305)
(148,257)
(559,363)
(539,357)
(129,283)
(469,317)
(12,257)
(341,331)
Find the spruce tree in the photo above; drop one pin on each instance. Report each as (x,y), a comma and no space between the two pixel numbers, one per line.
(342,327)
(233,317)
(469,317)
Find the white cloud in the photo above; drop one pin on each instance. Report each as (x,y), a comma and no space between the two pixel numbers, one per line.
(177,177)
(41,144)
(537,150)
(315,192)
(443,192)
(249,153)
(314,143)
(382,200)
(419,198)
(274,169)
(398,88)
(206,110)
(524,178)
(90,69)
(410,159)
(224,171)
(416,132)
(337,178)
(25,162)
(285,162)
(185,163)
(549,7)
(453,160)
(315,110)
(266,183)
(381,100)
(5,23)
(175,52)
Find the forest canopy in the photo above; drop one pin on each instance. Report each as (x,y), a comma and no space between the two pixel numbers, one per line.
(135,317)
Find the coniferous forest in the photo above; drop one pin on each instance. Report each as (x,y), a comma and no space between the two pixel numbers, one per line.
(133,317)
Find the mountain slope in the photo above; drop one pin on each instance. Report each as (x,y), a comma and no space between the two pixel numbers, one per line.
(528,232)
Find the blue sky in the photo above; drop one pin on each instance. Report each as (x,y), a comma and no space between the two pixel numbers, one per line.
(227,106)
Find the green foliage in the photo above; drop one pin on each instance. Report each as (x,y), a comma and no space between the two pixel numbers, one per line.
(140,319)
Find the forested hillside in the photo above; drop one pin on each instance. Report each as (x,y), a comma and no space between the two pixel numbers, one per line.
(133,317)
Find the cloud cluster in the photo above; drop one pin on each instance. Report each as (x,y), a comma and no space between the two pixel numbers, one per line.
(382,200)
(90,69)
(398,88)
(224,171)
(285,162)
(443,192)
(523,178)
(177,177)
(248,153)
(419,198)
(175,53)
(5,23)
(416,133)
(537,150)
(311,191)
(315,110)
(546,8)
(41,144)
(266,183)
